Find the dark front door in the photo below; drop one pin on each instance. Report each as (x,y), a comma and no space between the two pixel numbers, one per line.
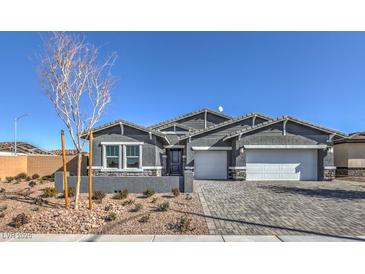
(175,161)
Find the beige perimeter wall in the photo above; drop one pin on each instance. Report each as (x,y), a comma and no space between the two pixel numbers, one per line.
(42,165)
(350,155)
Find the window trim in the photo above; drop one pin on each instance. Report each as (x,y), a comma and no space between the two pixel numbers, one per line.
(122,156)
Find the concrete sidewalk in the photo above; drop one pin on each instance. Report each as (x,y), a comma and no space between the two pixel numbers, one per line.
(10,237)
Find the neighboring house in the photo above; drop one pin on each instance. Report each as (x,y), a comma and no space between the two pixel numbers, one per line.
(213,145)
(22,148)
(68,152)
(350,155)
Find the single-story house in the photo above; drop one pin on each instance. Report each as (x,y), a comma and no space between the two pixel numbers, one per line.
(212,145)
(350,155)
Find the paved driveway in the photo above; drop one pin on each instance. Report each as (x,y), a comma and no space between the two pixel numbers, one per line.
(283,208)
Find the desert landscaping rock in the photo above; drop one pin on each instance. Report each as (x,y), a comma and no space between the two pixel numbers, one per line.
(48,215)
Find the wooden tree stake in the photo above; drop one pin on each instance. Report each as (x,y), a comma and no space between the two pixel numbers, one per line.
(65,181)
(90,168)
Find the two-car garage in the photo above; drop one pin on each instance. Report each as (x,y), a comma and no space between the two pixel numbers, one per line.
(261,164)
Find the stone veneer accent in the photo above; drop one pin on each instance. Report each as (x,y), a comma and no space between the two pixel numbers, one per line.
(350,171)
(329,173)
(237,174)
(145,172)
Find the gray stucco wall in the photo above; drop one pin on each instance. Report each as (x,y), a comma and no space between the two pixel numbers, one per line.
(110,184)
(295,135)
(152,149)
(198,121)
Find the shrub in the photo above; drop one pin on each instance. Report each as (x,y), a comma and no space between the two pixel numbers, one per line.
(19,220)
(98,195)
(28,178)
(32,183)
(108,207)
(21,175)
(71,191)
(164,206)
(144,219)
(128,202)
(188,197)
(36,208)
(154,200)
(2,190)
(149,193)
(2,215)
(183,224)
(175,191)
(49,192)
(3,208)
(121,195)
(137,207)
(9,178)
(35,176)
(111,217)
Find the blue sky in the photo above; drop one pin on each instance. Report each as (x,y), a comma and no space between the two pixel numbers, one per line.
(315,76)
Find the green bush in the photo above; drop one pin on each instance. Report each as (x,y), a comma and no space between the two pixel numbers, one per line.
(98,195)
(28,178)
(108,207)
(137,207)
(71,191)
(128,202)
(32,184)
(121,195)
(21,175)
(9,178)
(175,191)
(144,219)
(111,217)
(149,193)
(19,220)
(35,176)
(183,224)
(164,206)
(49,192)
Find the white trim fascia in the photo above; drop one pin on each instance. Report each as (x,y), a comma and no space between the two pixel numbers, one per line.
(237,167)
(330,167)
(211,148)
(122,170)
(285,146)
(95,167)
(174,146)
(121,143)
(152,167)
(174,132)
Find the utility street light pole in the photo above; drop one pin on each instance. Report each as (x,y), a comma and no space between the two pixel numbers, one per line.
(15,129)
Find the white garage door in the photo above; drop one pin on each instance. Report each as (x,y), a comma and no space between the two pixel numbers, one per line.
(281,164)
(210,165)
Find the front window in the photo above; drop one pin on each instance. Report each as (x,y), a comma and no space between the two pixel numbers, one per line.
(112,156)
(132,156)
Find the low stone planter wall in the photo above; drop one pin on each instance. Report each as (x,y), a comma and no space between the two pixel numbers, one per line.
(134,184)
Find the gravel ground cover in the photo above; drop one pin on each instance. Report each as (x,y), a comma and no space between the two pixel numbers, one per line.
(162,213)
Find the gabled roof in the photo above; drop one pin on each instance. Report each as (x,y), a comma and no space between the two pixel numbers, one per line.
(355,137)
(225,123)
(282,119)
(170,121)
(22,147)
(178,125)
(127,123)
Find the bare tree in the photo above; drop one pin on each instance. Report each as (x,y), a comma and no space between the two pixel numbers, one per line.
(77,85)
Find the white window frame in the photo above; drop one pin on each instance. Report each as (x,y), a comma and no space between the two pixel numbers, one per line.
(105,157)
(122,155)
(125,157)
